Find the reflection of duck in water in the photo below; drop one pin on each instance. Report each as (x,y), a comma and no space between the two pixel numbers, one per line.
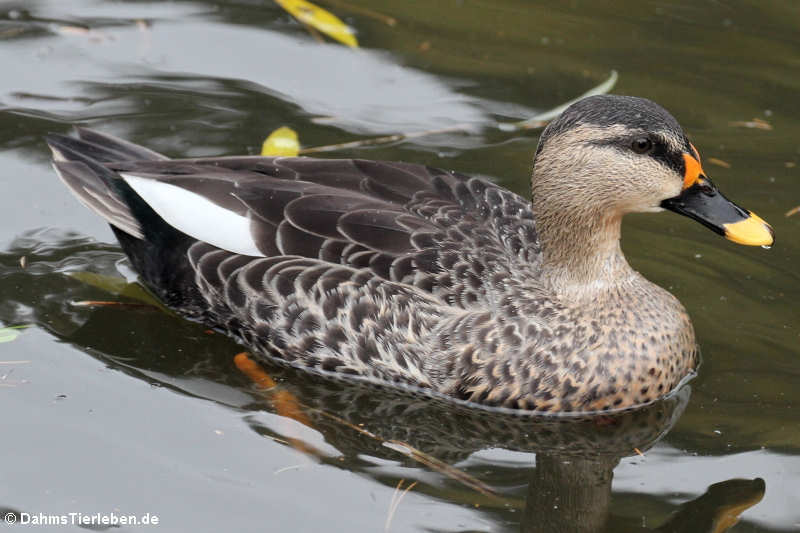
(405,274)
(569,489)
(573,495)
(718,509)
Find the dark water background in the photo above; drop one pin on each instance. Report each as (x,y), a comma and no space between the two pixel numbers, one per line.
(134,411)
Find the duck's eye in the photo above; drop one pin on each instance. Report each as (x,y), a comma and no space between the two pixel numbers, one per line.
(642,145)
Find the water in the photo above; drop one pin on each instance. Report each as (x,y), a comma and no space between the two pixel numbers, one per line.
(129,410)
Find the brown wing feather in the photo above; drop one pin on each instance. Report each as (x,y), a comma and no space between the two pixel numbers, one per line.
(438,230)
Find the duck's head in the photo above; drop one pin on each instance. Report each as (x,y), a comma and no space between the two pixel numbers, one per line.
(610,155)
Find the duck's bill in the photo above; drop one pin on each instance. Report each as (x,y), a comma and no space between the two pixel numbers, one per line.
(702,201)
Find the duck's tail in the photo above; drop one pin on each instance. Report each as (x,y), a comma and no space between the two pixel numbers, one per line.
(80,165)
(156,249)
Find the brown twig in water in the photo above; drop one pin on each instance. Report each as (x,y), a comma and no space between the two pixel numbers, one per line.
(314,33)
(440,466)
(793,211)
(106,303)
(384,140)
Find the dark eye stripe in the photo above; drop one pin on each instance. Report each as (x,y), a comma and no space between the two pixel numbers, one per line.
(660,151)
(670,158)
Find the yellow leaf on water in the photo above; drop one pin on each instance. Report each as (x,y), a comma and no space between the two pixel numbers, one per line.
(321,20)
(281,142)
(10,333)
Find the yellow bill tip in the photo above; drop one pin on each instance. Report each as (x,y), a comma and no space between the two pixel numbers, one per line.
(752,231)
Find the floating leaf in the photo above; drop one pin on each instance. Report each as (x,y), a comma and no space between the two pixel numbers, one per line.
(109,284)
(319,19)
(281,142)
(10,333)
(119,287)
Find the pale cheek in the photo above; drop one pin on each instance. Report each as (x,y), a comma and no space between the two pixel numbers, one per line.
(651,193)
(673,190)
(663,186)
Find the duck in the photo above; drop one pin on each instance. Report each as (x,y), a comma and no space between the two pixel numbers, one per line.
(410,276)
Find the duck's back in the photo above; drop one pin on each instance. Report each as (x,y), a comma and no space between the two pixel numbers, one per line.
(351,266)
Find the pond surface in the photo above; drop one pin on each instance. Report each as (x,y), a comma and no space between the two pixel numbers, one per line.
(133,411)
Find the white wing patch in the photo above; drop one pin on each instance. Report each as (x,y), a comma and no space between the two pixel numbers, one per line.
(196,216)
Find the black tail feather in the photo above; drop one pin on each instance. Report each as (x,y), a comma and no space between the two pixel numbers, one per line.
(86,176)
(95,194)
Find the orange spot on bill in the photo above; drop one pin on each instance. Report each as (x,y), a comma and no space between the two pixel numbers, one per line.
(693,171)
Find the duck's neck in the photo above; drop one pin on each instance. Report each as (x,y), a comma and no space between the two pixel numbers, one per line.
(581,254)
